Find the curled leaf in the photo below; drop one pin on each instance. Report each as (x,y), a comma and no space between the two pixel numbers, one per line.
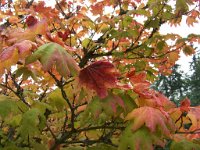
(51,54)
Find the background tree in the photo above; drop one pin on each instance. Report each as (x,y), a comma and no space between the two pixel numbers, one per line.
(78,76)
(194,81)
(174,86)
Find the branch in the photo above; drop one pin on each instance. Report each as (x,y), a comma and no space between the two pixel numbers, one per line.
(64,95)
(19,92)
(53,135)
(62,11)
(29,4)
(67,135)
(102,127)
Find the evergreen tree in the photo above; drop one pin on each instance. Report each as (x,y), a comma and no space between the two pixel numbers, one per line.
(194,82)
(173,86)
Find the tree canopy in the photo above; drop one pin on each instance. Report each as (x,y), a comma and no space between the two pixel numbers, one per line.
(77,75)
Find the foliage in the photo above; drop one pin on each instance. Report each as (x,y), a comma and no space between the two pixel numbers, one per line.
(77,76)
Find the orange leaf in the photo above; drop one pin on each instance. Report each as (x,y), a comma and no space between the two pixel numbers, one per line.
(150,117)
(142,89)
(194,116)
(99,76)
(137,77)
(18,34)
(97,9)
(13,19)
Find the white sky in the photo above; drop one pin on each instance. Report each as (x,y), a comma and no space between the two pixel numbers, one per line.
(183,30)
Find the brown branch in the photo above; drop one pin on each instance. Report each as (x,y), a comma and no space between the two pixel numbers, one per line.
(49,129)
(29,4)
(67,135)
(43,94)
(62,11)
(19,92)
(64,95)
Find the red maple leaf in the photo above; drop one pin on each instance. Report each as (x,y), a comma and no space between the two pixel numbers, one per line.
(185,105)
(64,35)
(99,76)
(31,20)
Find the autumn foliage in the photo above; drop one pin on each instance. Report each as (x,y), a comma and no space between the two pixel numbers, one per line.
(78,75)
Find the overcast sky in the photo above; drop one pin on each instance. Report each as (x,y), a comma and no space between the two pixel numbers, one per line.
(183,30)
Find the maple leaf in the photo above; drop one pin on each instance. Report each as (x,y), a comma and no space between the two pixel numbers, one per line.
(185,105)
(53,54)
(54,39)
(19,34)
(142,89)
(155,99)
(99,76)
(137,77)
(64,35)
(111,106)
(194,116)
(9,106)
(11,55)
(97,9)
(184,145)
(150,117)
(32,123)
(31,20)
(141,139)
(188,50)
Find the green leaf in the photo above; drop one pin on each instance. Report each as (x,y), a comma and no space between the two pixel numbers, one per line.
(7,106)
(143,12)
(126,21)
(85,42)
(152,23)
(181,6)
(42,107)
(100,110)
(25,72)
(128,102)
(101,146)
(33,121)
(142,139)
(114,33)
(56,100)
(160,45)
(51,54)
(140,65)
(13,147)
(188,50)
(38,146)
(73,148)
(184,145)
